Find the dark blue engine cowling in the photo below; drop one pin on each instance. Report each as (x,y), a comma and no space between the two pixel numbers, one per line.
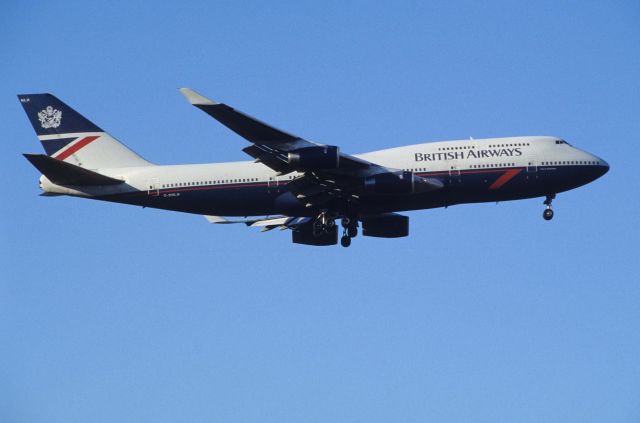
(320,157)
(304,234)
(387,225)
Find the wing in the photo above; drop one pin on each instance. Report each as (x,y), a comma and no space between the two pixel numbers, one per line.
(325,173)
(267,223)
(270,145)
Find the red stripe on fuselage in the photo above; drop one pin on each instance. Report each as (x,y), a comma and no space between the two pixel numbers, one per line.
(75,147)
(504,178)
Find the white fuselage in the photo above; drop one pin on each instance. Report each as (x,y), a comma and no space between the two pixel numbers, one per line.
(438,157)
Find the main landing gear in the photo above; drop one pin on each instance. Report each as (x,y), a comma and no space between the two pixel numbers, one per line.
(548,212)
(323,224)
(350,230)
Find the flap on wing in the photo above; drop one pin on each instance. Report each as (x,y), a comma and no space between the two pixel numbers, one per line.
(265,223)
(278,221)
(244,125)
(225,221)
(217,219)
(271,158)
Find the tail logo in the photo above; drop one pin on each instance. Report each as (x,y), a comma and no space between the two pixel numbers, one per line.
(50,117)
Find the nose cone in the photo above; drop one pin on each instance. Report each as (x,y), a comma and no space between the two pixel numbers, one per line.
(596,168)
(601,168)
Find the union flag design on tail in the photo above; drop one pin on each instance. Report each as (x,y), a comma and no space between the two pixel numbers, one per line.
(68,136)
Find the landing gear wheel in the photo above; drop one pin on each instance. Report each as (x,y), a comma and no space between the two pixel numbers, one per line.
(345,241)
(323,224)
(548,213)
(350,225)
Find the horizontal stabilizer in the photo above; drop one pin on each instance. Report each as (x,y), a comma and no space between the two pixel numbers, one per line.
(63,173)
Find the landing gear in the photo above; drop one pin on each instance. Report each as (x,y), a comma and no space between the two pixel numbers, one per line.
(323,224)
(350,226)
(548,212)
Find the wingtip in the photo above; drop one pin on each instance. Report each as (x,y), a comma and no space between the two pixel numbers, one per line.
(195,98)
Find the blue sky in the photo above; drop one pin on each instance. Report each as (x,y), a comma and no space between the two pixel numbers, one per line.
(486,313)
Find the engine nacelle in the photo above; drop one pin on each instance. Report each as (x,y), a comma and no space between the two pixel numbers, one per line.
(386,226)
(305,234)
(320,157)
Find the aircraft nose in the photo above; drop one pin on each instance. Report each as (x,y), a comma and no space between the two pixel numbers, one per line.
(602,167)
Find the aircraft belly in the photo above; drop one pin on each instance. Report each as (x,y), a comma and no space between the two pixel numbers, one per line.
(471,187)
(249,201)
(208,200)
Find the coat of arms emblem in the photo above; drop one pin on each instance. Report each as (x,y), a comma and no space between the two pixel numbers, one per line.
(50,117)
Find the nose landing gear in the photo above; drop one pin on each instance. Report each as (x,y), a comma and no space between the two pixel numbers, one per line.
(548,212)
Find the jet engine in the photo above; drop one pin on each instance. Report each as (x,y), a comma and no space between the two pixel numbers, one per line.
(320,157)
(388,225)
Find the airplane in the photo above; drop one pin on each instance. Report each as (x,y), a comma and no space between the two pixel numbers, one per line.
(300,185)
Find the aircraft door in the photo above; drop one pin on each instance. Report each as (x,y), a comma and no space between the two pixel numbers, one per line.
(532,171)
(272,185)
(454,174)
(153,187)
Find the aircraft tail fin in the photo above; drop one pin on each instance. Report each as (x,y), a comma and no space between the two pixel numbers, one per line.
(62,173)
(68,136)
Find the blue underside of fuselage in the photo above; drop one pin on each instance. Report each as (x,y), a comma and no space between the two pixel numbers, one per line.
(467,186)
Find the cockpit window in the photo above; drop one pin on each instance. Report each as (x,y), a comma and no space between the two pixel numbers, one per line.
(562,142)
